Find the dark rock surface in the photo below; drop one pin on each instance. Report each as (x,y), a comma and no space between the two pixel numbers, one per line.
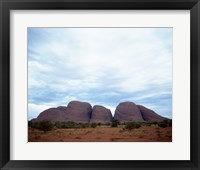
(75,111)
(128,111)
(101,114)
(82,112)
(52,114)
(149,115)
(79,111)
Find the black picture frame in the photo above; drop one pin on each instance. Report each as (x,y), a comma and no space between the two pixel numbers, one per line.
(7,5)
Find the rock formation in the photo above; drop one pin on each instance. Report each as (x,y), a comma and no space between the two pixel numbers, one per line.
(79,111)
(128,111)
(149,115)
(82,112)
(101,114)
(75,111)
(53,114)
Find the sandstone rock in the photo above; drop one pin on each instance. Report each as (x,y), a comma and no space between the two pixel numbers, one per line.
(101,114)
(79,112)
(149,115)
(128,111)
(75,111)
(52,114)
(82,112)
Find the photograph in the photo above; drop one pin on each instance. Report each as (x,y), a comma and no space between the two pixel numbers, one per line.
(100,84)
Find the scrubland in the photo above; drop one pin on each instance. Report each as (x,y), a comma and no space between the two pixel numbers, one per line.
(115,132)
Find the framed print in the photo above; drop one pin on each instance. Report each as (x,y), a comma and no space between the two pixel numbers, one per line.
(99,84)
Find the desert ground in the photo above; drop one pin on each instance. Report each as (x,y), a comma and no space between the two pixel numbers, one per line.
(152,133)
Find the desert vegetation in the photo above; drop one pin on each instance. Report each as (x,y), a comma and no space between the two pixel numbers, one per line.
(93,132)
(46,125)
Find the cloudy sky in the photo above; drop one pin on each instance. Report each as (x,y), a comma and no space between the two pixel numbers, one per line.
(103,66)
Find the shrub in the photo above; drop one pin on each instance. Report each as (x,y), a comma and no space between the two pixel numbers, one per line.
(107,124)
(170,122)
(29,123)
(165,123)
(132,125)
(58,125)
(115,123)
(162,124)
(154,123)
(99,124)
(85,125)
(46,125)
(35,125)
(148,124)
(70,124)
(93,125)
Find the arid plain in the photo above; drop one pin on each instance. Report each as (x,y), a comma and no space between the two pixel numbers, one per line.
(146,133)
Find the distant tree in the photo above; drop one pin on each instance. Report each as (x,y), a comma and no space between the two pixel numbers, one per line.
(132,125)
(154,123)
(162,124)
(107,124)
(165,123)
(58,124)
(93,125)
(29,123)
(46,125)
(35,125)
(85,125)
(115,123)
(170,122)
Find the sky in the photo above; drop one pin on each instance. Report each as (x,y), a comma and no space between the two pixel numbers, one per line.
(103,66)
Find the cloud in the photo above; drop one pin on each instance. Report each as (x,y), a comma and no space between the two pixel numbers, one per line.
(37,108)
(100,65)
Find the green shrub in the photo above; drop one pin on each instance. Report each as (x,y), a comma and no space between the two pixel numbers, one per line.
(85,125)
(70,124)
(165,123)
(115,123)
(46,125)
(35,125)
(107,124)
(148,124)
(154,123)
(162,124)
(93,125)
(58,125)
(132,125)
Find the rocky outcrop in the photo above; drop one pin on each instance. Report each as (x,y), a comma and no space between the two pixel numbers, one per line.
(149,115)
(79,111)
(128,111)
(101,114)
(53,114)
(75,111)
(82,112)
